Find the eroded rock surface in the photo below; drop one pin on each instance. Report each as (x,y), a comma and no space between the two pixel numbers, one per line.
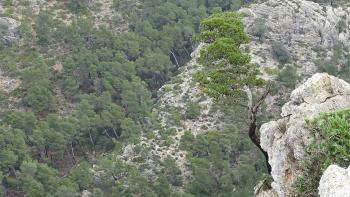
(303,27)
(335,182)
(286,138)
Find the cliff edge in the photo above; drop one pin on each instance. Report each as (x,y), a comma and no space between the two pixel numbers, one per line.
(285,140)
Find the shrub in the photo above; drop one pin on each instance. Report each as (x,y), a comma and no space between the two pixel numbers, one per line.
(331,145)
(342,26)
(187,140)
(77,6)
(281,53)
(176,116)
(40,99)
(193,110)
(259,28)
(288,76)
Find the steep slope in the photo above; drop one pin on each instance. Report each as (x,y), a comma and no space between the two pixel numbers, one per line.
(304,28)
(286,139)
(171,108)
(291,40)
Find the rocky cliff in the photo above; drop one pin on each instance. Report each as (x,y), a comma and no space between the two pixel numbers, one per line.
(304,28)
(308,32)
(285,139)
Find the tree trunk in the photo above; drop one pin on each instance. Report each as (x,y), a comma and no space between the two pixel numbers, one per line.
(253,110)
(177,63)
(255,139)
(72,150)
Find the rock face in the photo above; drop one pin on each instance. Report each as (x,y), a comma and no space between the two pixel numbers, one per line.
(286,138)
(335,182)
(303,27)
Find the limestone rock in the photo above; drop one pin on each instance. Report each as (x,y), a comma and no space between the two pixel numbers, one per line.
(128,152)
(9,30)
(8,84)
(85,193)
(303,27)
(286,138)
(335,182)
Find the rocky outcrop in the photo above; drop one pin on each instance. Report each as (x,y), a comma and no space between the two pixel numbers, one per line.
(285,139)
(303,27)
(9,30)
(335,182)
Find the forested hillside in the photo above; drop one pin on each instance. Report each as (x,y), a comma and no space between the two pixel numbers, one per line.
(78,83)
(149,98)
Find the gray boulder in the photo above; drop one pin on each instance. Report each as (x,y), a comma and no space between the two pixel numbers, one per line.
(335,182)
(9,30)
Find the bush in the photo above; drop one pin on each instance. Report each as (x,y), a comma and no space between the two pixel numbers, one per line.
(193,110)
(342,26)
(259,28)
(176,116)
(77,6)
(281,53)
(331,145)
(288,76)
(329,67)
(40,99)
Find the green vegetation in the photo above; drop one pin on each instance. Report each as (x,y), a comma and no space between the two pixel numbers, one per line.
(228,68)
(333,65)
(331,145)
(193,110)
(288,76)
(214,157)
(229,73)
(259,28)
(87,92)
(281,53)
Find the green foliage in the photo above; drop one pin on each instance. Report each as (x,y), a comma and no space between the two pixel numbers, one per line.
(334,66)
(193,110)
(281,53)
(176,116)
(25,121)
(99,101)
(28,169)
(171,172)
(215,172)
(186,140)
(77,6)
(82,176)
(342,26)
(288,76)
(33,188)
(40,99)
(330,68)
(331,145)
(162,187)
(259,28)
(228,68)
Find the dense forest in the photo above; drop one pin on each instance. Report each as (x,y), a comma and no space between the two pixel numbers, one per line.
(87,90)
